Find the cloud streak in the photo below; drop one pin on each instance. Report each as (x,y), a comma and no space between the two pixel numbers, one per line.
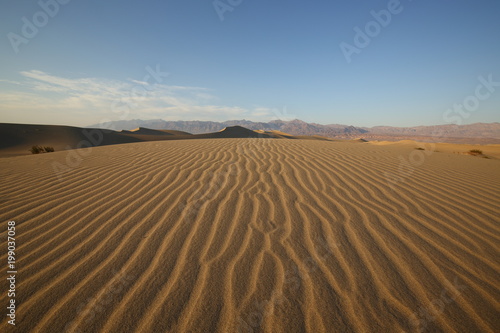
(38,92)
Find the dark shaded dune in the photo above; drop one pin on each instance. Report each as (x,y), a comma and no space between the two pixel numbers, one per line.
(146,137)
(174,132)
(148,131)
(12,135)
(233,132)
(17,139)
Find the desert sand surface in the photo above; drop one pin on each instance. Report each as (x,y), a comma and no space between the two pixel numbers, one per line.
(489,150)
(253,235)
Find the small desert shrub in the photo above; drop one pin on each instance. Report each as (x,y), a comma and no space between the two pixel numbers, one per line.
(36,150)
(40,149)
(475,152)
(419,148)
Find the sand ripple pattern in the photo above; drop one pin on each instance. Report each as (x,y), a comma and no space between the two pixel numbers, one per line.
(253,235)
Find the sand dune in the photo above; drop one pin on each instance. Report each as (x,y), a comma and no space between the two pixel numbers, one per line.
(148,131)
(17,139)
(254,235)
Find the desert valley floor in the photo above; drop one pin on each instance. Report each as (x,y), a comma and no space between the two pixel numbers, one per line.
(253,235)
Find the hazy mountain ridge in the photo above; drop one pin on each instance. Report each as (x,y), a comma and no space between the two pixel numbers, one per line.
(197,126)
(299,127)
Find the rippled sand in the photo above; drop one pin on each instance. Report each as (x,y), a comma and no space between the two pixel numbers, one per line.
(254,235)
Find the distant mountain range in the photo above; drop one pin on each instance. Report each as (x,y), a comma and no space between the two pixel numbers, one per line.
(196,127)
(473,133)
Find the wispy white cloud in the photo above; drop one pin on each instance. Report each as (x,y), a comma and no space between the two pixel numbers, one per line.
(99,98)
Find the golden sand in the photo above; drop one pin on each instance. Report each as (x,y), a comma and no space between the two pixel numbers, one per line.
(254,235)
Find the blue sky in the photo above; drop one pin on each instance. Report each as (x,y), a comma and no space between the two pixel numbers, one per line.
(91,61)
